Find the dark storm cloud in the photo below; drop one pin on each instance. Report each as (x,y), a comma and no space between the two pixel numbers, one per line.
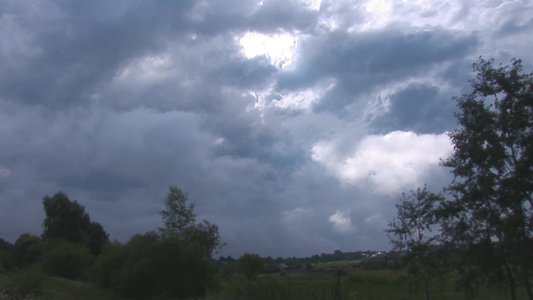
(421,108)
(361,62)
(76,45)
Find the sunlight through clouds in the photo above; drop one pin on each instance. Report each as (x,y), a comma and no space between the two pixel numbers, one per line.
(278,48)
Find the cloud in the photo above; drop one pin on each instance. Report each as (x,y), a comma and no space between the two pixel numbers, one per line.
(341,222)
(389,163)
(289,151)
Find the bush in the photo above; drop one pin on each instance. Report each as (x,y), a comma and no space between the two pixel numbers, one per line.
(250,265)
(107,268)
(66,260)
(22,285)
(27,250)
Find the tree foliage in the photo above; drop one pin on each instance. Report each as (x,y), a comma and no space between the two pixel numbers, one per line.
(66,260)
(173,262)
(486,218)
(178,214)
(27,250)
(250,265)
(67,220)
(179,221)
(492,164)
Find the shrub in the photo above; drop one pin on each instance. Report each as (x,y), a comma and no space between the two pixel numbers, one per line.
(66,260)
(22,285)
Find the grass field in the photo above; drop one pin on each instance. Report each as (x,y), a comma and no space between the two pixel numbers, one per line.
(341,281)
(327,281)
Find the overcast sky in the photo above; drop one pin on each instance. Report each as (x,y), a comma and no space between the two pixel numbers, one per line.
(293,125)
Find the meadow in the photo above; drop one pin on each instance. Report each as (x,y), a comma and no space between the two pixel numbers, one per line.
(340,280)
(345,280)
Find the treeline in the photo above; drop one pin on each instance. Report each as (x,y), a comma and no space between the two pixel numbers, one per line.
(480,227)
(301,262)
(174,261)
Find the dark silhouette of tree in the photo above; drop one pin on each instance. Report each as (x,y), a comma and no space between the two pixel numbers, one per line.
(67,220)
(490,213)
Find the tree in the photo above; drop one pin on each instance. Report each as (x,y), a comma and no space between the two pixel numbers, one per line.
(179,221)
(490,213)
(411,233)
(67,220)
(178,214)
(96,238)
(251,265)
(27,250)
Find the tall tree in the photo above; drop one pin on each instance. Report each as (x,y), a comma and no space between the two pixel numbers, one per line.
(491,209)
(65,219)
(411,233)
(179,221)
(178,214)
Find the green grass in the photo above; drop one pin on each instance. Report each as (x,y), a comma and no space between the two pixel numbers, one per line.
(355,284)
(64,289)
(44,287)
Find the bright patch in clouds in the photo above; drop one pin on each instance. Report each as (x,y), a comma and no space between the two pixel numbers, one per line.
(279,48)
(341,221)
(387,162)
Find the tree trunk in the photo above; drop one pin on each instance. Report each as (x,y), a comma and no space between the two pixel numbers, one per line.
(527,284)
(512,285)
(426,286)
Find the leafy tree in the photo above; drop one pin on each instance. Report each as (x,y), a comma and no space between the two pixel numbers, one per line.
(490,213)
(178,214)
(179,221)
(174,262)
(27,250)
(411,233)
(251,265)
(67,220)
(96,238)
(151,266)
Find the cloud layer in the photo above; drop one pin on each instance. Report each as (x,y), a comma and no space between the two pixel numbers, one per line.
(293,125)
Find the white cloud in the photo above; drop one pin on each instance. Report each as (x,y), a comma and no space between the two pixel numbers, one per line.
(341,221)
(388,162)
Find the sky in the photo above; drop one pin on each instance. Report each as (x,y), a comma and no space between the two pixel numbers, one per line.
(294,125)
